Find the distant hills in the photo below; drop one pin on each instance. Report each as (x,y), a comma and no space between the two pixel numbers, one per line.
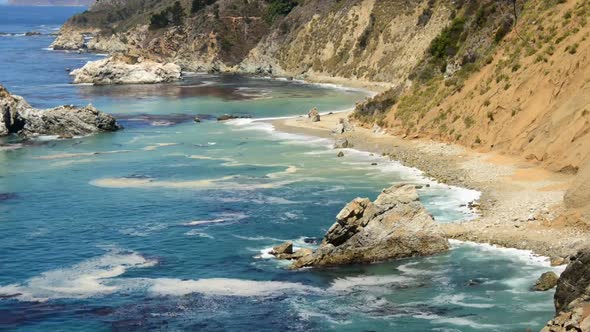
(50,2)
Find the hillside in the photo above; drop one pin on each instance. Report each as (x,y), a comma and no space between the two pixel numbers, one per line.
(507,76)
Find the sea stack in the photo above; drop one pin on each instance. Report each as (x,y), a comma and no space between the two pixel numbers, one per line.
(395,225)
(121,69)
(18,117)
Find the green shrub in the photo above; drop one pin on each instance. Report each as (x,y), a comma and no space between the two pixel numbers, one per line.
(447,42)
(278,8)
(172,15)
(200,4)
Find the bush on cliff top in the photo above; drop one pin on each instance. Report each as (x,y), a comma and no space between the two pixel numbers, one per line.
(171,16)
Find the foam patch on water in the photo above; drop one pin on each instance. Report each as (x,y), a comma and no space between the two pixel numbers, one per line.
(221,218)
(227,287)
(524,256)
(222,183)
(349,284)
(86,279)
(458,321)
(461,300)
(194,232)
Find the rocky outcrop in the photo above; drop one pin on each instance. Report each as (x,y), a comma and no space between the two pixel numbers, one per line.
(395,225)
(546,281)
(342,127)
(572,296)
(71,38)
(126,70)
(313,115)
(342,143)
(18,117)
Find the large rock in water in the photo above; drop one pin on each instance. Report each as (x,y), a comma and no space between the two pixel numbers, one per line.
(18,117)
(572,296)
(395,225)
(126,70)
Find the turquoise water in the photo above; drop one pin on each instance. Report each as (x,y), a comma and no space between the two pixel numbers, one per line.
(164,225)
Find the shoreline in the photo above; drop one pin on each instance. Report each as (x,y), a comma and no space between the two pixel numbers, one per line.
(519,202)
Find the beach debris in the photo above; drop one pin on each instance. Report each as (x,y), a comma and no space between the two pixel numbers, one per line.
(314,115)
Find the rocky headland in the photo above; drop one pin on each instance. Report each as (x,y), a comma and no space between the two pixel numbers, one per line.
(126,70)
(395,225)
(18,117)
(572,296)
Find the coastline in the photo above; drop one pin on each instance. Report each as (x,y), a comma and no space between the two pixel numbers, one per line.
(519,201)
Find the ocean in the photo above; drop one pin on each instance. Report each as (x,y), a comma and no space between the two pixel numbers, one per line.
(165,225)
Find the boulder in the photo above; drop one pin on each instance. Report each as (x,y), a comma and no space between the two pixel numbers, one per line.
(126,70)
(296,255)
(395,225)
(572,296)
(340,154)
(285,248)
(18,117)
(314,115)
(342,127)
(546,281)
(342,143)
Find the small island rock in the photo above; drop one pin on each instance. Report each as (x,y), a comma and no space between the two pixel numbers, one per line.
(126,70)
(395,225)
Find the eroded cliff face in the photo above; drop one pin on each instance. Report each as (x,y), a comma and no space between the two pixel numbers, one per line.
(378,41)
(527,95)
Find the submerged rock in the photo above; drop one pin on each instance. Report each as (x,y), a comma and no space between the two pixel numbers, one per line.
(126,70)
(395,225)
(340,154)
(572,296)
(314,115)
(546,281)
(226,117)
(18,117)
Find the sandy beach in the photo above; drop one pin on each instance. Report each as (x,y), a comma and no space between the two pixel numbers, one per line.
(520,203)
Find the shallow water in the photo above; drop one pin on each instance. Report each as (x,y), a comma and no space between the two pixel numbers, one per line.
(164,225)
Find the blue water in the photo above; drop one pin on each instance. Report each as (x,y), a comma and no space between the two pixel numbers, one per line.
(164,225)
